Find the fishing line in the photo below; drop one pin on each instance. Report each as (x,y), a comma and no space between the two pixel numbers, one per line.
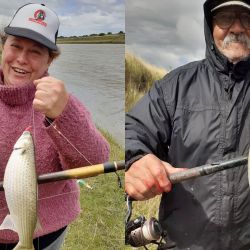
(70,143)
(34,140)
(33,124)
(60,133)
(56,195)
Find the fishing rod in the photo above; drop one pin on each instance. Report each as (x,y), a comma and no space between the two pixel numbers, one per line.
(140,231)
(79,173)
(94,170)
(197,172)
(207,169)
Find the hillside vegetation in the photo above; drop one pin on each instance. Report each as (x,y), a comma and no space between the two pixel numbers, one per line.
(102,38)
(139,77)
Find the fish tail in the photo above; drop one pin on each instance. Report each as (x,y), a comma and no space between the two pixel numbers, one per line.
(19,246)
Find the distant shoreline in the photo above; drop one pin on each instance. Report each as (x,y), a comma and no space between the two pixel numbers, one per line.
(93,39)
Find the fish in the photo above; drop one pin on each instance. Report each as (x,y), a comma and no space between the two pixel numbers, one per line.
(21,192)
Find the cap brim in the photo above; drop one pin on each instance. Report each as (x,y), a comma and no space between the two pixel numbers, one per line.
(232,3)
(26,33)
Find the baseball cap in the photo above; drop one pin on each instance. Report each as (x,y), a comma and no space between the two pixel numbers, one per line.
(231,3)
(36,22)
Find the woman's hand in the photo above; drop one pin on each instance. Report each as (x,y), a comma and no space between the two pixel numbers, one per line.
(148,177)
(51,96)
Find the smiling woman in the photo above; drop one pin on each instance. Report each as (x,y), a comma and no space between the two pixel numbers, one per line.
(23,60)
(29,96)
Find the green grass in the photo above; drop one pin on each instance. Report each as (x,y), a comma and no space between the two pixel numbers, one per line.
(114,39)
(139,77)
(101,223)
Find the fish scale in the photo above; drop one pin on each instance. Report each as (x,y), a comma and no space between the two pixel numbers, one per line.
(20,186)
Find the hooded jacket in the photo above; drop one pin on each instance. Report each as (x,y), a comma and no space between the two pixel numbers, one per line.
(199,114)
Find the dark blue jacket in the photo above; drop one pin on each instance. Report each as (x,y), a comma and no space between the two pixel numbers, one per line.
(198,114)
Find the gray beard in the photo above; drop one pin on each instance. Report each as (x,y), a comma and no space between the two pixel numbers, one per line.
(242,38)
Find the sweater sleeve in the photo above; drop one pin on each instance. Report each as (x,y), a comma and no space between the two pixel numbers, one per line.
(76,138)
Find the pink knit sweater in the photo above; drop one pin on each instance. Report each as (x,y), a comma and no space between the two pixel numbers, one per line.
(58,202)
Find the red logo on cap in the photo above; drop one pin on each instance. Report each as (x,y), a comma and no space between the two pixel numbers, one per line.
(39,17)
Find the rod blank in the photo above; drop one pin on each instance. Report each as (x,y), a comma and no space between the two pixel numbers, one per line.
(78,173)
(207,169)
(94,170)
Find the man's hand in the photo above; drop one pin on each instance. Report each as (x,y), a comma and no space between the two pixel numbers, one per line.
(51,96)
(148,177)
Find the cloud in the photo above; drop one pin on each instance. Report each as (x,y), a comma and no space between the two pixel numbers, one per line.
(93,22)
(95,17)
(165,33)
(77,17)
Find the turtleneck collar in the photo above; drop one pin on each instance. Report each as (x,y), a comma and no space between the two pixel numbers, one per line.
(16,95)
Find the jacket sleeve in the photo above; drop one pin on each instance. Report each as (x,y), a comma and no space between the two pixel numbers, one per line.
(76,138)
(148,126)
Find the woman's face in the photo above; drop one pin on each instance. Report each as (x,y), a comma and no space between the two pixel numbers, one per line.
(23,61)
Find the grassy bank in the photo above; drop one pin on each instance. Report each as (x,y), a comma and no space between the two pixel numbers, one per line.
(139,77)
(101,223)
(138,80)
(109,39)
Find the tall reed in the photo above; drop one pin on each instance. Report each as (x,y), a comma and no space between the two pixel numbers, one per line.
(139,77)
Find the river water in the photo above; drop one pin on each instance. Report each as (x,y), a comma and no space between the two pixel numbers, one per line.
(95,74)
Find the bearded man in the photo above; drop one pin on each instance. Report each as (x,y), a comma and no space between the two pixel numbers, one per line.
(198,114)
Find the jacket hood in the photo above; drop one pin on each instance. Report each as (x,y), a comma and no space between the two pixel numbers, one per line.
(212,53)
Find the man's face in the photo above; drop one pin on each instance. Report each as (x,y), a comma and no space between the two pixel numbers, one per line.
(23,61)
(231,32)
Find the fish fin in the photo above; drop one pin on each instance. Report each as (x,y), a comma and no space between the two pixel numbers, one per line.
(38,226)
(23,150)
(20,247)
(8,223)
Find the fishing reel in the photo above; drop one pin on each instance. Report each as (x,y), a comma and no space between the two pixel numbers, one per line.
(141,232)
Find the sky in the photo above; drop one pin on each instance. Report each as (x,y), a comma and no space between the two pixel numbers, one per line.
(77,17)
(165,33)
